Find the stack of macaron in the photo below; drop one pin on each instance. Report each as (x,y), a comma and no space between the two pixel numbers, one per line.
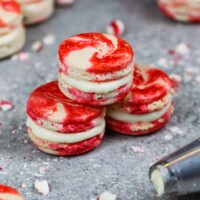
(12,32)
(8,193)
(148,105)
(36,11)
(95,68)
(181,10)
(67,117)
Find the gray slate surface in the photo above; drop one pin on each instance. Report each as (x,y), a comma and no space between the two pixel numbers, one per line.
(113,166)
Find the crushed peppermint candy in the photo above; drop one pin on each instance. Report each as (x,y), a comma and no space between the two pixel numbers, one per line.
(6,106)
(23,56)
(168,137)
(162,62)
(197,79)
(182,49)
(175,129)
(37,46)
(116,27)
(107,196)
(42,187)
(49,39)
(137,149)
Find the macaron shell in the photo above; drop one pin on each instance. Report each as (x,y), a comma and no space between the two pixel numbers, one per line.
(181,10)
(149,85)
(139,128)
(94,99)
(95,53)
(66,149)
(148,108)
(49,104)
(70,128)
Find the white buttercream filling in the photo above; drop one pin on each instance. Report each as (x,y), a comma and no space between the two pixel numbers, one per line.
(97,87)
(55,137)
(13,35)
(158,182)
(134,118)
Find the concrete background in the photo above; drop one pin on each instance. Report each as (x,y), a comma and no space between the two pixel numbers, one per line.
(114,166)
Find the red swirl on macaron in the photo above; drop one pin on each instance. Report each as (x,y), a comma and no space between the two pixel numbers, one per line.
(149,85)
(104,54)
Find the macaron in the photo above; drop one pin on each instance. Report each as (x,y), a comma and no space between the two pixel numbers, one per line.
(8,193)
(181,10)
(59,126)
(148,105)
(95,68)
(12,32)
(36,11)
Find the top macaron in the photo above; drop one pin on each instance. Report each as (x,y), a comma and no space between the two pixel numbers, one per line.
(181,10)
(95,68)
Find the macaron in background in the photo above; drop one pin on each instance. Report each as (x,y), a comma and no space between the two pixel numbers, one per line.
(95,68)
(148,105)
(9,193)
(12,32)
(59,126)
(181,10)
(36,11)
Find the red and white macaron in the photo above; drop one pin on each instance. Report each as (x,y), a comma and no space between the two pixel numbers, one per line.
(181,10)
(59,126)
(12,32)
(8,193)
(147,107)
(36,11)
(95,68)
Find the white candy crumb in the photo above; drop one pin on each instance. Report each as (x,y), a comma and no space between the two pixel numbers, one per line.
(182,49)
(197,79)
(42,187)
(137,149)
(168,137)
(175,129)
(162,62)
(36,46)
(49,39)
(107,196)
